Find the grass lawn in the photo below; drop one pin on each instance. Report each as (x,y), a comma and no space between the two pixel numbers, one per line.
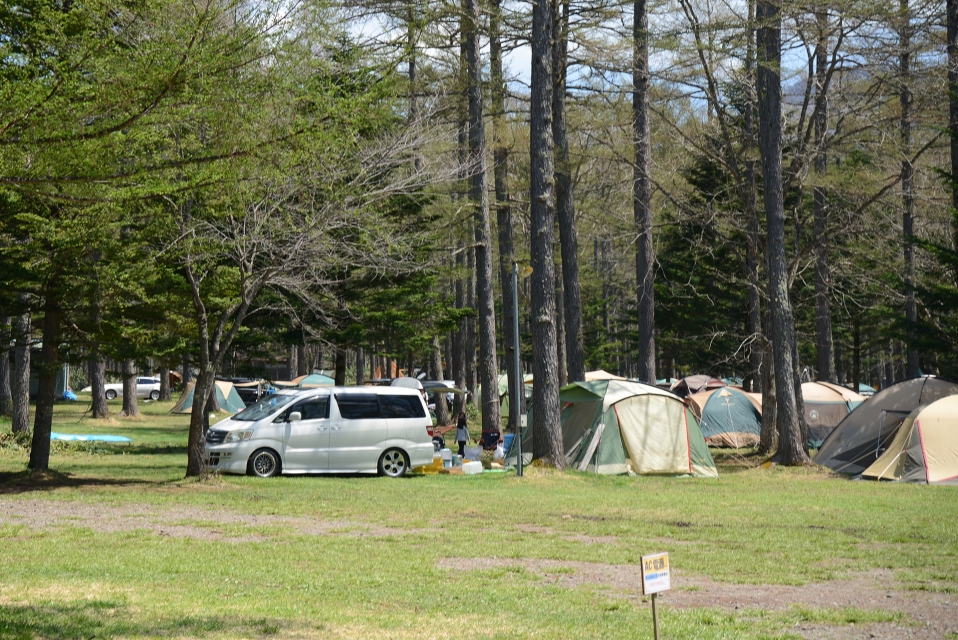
(115,544)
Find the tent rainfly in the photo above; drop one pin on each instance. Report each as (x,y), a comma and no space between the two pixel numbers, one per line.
(867,432)
(226,396)
(826,405)
(728,417)
(925,448)
(615,426)
(695,384)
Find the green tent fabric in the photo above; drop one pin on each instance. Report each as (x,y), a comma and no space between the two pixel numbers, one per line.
(614,426)
(226,396)
(728,418)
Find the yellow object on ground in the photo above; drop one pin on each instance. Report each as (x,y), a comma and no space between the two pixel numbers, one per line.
(435,467)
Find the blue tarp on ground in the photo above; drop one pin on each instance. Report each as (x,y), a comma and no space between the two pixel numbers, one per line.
(74,437)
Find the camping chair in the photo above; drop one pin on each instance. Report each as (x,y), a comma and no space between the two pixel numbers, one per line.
(490,440)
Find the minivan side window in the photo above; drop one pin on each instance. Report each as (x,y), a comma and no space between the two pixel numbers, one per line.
(313,409)
(358,406)
(401,407)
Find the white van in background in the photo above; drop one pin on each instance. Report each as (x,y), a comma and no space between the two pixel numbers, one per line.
(326,430)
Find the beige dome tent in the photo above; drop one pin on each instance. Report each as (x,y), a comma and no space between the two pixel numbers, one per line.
(925,448)
(826,405)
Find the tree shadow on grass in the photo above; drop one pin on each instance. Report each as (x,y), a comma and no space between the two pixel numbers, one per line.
(30,481)
(107,618)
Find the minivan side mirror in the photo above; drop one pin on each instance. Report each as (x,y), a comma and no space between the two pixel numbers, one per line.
(294,416)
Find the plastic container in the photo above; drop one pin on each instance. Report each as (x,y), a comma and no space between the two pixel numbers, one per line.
(473,453)
(446,457)
(456,460)
(470,468)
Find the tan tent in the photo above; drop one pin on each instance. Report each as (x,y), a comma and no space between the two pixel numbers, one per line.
(825,406)
(925,449)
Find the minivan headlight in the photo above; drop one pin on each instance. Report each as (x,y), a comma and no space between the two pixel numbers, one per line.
(238,436)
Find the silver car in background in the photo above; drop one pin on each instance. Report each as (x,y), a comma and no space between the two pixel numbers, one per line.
(326,430)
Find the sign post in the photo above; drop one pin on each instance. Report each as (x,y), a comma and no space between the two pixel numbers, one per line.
(656,577)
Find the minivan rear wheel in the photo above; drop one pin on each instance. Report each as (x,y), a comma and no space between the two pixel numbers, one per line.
(393,463)
(110,394)
(263,463)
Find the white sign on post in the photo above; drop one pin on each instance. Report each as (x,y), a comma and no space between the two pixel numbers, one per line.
(655,573)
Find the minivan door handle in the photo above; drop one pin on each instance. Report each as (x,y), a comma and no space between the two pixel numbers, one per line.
(336,428)
(321,428)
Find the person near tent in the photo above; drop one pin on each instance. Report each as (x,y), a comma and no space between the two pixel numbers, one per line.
(462,433)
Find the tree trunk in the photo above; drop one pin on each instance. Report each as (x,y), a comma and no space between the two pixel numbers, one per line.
(292,366)
(642,193)
(187,369)
(6,393)
(20,383)
(360,367)
(459,338)
(770,146)
(907,182)
(500,155)
(99,409)
(302,362)
(753,257)
(768,435)
(952,31)
(560,339)
(488,368)
(130,405)
(823,310)
(165,393)
(546,431)
(47,383)
(856,355)
(442,409)
(571,290)
(199,420)
(340,367)
(471,331)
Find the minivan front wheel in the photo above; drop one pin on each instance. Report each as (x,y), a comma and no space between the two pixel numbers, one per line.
(263,463)
(393,463)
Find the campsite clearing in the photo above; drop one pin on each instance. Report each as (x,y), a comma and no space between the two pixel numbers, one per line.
(120,546)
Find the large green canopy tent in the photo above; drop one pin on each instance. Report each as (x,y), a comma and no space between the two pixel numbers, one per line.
(864,435)
(226,396)
(728,417)
(616,426)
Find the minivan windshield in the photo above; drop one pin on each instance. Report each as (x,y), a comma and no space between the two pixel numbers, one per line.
(264,408)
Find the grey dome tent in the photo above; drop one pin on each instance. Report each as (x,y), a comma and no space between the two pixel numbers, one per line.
(864,435)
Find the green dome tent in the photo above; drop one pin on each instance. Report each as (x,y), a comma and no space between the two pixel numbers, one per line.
(226,396)
(616,426)
(728,417)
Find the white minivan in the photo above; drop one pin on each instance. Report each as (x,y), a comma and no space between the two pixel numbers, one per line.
(327,430)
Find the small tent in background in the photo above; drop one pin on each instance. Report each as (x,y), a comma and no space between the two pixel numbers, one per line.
(865,434)
(925,448)
(503,383)
(306,381)
(825,406)
(866,390)
(695,384)
(614,426)
(728,417)
(226,396)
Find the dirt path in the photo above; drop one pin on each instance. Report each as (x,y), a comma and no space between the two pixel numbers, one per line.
(927,615)
(179,522)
